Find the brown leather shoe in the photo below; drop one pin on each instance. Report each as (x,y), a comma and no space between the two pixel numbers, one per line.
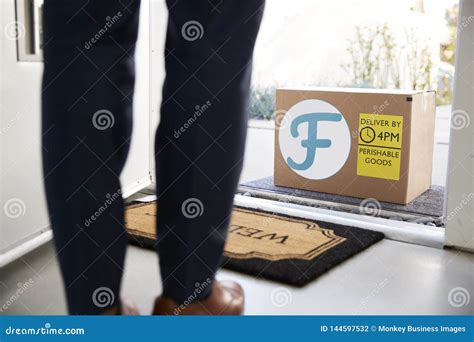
(226,298)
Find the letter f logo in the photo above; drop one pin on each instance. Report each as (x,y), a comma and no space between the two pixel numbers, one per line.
(312,142)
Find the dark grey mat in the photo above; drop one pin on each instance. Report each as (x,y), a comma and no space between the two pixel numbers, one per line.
(429,203)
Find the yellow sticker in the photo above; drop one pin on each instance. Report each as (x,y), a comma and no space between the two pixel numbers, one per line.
(379,146)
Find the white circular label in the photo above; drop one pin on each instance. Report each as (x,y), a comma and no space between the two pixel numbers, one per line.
(314,139)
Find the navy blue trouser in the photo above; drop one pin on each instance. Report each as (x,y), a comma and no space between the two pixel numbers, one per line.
(88,87)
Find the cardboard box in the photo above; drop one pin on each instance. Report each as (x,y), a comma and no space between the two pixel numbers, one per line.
(365,143)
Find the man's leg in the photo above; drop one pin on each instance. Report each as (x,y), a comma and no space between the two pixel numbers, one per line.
(87,117)
(201,137)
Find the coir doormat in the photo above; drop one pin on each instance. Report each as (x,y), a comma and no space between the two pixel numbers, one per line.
(273,246)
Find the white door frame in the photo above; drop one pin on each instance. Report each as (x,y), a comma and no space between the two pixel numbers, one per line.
(459,198)
(22,79)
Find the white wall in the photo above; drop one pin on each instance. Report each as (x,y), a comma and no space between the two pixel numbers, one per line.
(21,186)
(23,214)
(460,187)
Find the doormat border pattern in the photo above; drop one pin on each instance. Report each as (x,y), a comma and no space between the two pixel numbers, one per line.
(296,272)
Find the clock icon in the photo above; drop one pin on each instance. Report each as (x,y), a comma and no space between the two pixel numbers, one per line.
(367,134)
